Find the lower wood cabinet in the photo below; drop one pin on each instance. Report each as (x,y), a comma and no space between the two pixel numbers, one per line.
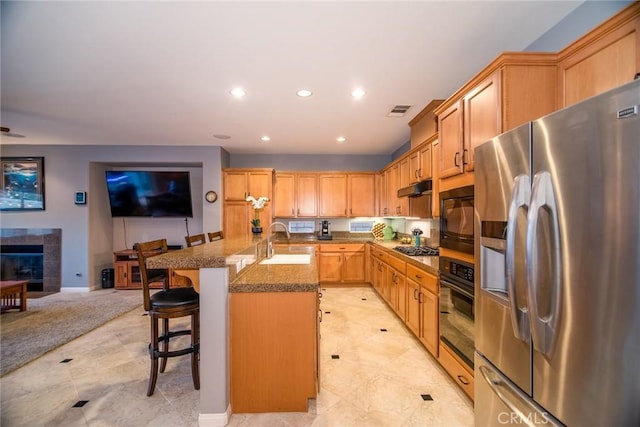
(127,271)
(341,263)
(457,369)
(273,351)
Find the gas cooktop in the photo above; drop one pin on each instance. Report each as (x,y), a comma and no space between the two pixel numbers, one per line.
(418,251)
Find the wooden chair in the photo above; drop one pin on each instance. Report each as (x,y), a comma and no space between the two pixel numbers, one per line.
(216,235)
(197,239)
(166,304)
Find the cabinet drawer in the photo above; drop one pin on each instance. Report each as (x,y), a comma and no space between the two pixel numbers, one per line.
(389,259)
(462,376)
(420,276)
(336,247)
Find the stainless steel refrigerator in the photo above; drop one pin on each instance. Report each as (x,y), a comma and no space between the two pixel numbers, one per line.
(557,217)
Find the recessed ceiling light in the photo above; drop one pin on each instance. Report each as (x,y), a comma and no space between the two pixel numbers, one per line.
(341,139)
(221,136)
(358,93)
(265,138)
(304,93)
(238,92)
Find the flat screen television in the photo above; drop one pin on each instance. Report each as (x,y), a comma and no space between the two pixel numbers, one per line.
(149,194)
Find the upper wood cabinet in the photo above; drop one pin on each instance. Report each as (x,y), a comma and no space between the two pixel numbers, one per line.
(236,211)
(602,59)
(511,90)
(241,183)
(435,194)
(425,124)
(361,188)
(333,194)
(296,194)
(420,161)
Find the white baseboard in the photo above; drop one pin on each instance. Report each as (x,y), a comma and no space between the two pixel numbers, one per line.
(215,420)
(70,289)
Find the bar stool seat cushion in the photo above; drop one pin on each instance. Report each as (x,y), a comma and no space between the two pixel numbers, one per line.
(175,297)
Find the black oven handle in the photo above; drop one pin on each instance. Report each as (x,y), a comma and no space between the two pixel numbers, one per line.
(457,288)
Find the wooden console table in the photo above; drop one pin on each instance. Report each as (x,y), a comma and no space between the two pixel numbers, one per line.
(11,291)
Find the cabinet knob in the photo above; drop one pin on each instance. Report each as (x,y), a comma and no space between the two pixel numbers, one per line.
(463,380)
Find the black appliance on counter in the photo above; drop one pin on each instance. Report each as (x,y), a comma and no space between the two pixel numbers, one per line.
(324,233)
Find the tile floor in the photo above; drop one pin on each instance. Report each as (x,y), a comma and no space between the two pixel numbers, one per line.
(378,379)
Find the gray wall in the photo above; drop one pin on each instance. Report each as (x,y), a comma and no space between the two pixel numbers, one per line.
(89,234)
(315,162)
(584,18)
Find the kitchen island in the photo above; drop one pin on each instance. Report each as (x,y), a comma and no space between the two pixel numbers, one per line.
(259,331)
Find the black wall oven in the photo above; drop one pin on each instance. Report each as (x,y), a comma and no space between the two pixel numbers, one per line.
(457,312)
(456,219)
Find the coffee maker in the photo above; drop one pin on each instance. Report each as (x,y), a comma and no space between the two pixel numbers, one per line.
(324,233)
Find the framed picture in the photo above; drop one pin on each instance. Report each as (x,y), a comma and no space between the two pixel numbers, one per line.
(81,197)
(22,183)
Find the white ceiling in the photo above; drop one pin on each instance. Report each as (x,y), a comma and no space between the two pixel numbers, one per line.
(159,73)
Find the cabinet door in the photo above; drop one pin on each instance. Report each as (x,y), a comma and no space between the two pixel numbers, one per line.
(236,219)
(404,181)
(482,119)
(435,194)
(450,137)
(353,267)
(414,166)
(429,335)
(259,183)
(413,307)
(121,272)
(333,195)
(307,195)
(393,183)
(425,169)
(401,304)
(329,267)
(382,194)
(284,195)
(235,185)
(361,194)
(392,288)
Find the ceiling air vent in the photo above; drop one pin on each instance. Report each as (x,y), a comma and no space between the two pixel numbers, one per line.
(399,111)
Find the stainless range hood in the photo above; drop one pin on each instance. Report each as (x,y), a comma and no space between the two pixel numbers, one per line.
(416,190)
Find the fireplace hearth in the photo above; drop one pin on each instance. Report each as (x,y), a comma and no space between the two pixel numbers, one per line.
(33,255)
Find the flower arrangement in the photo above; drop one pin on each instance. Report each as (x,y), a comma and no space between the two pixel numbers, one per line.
(258,205)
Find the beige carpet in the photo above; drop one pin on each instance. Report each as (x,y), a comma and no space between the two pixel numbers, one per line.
(56,319)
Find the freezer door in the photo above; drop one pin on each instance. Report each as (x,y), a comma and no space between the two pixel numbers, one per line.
(498,402)
(583,261)
(501,197)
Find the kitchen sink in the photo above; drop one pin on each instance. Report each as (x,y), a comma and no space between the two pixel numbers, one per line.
(288,259)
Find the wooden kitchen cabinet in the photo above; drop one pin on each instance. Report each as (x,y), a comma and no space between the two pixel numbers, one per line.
(273,351)
(238,184)
(341,263)
(435,194)
(127,271)
(361,189)
(423,292)
(511,90)
(237,213)
(604,58)
(296,195)
(420,161)
(333,195)
(457,369)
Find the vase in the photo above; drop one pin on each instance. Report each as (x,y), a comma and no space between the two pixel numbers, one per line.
(256,230)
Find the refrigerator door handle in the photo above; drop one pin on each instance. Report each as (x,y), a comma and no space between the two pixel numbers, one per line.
(543,204)
(520,195)
(528,413)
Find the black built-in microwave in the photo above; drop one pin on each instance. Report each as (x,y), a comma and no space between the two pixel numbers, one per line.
(456,219)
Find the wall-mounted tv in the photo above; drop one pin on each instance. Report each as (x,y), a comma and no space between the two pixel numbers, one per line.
(149,193)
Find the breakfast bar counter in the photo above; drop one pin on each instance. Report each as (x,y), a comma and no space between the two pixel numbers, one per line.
(259,326)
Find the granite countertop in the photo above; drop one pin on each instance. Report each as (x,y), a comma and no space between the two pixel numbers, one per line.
(279,277)
(246,274)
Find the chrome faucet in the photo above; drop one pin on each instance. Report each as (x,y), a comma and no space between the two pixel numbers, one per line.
(269,242)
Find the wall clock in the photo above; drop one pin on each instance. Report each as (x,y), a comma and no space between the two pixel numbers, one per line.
(211,196)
